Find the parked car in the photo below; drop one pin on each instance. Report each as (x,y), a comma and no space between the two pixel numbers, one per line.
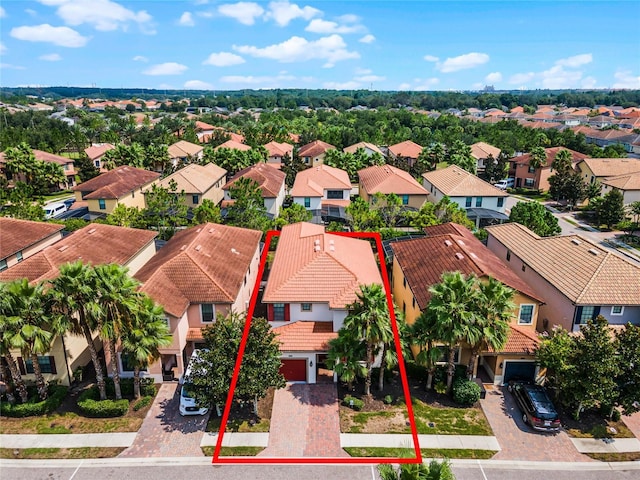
(188,405)
(537,408)
(505,183)
(52,210)
(68,202)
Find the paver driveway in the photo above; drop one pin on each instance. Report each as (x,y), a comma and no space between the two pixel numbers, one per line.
(517,440)
(166,433)
(305,422)
(633,422)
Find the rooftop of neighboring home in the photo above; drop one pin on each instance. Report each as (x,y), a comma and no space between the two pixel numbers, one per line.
(451,248)
(194,178)
(611,167)
(454,181)
(97,150)
(583,271)
(116,183)
(483,150)
(269,179)
(406,149)
(305,336)
(388,179)
(277,149)
(233,145)
(202,264)
(519,340)
(551,155)
(182,148)
(44,157)
(311,265)
(17,235)
(315,148)
(95,244)
(202,126)
(630,181)
(312,182)
(364,145)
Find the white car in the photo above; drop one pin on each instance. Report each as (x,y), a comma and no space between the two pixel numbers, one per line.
(505,183)
(54,209)
(188,405)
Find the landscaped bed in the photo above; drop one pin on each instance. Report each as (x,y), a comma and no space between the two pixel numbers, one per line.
(45,453)
(592,424)
(242,417)
(426,453)
(233,451)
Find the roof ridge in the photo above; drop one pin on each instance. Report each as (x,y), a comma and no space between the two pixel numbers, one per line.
(593,277)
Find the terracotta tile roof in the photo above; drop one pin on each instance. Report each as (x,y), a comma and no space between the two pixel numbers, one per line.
(182,148)
(269,178)
(483,150)
(116,183)
(304,336)
(624,182)
(450,228)
(97,150)
(364,145)
(195,178)
(457,182)
(233,145)
(611,167)
(520,340)
(51,158)
(294,137)
(16,235)
(200,126)
(276,149)
(202,264)
(551,155)
(451,253)
(194,335)
(313,181)
(96,244)
(315,148)
(388,179)
(335,202)
(406,149)
(313,266)
(583,271)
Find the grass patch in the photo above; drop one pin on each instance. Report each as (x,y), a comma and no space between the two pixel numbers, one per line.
(450,421)
(233,451)
(236,425)
(426,452)
(615,457)
(68,423)
(602,431)
(44,453)
(56,195)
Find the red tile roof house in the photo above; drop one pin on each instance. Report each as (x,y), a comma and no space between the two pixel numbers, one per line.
(312,154)
(527,177)
(321,186)
(387,179)
(277,151)
(20,239)
(95,244)
(453,248)
(96,153)
(314,276)
(369,148)
(481,151)
(66,163)
(185,152)
(271,182)
(233,145)
(201,272)
(408,151)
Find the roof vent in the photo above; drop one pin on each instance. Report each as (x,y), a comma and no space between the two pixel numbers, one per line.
(317,248)
(211,230)
(183,247)
(459,256)
(198,248)
(198,230)
(332,248)
(91,231)
(460,242)
(63,248)
(473,255)
(593,251)
(317,242)
(234,251)
(448,243)
(575,241)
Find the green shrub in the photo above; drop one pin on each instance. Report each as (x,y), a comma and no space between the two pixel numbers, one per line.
(466,392)
(33,407)
(615,415)
(388,399)
(353,402)
(126,387)
(440,387)
(89,405)
(415,371)
(143,402)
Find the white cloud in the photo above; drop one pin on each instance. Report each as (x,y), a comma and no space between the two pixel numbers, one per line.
(404,86)
(62,36)
(223,59)
(351,85)
(168,68)
(280,80)
(243,12)
(493,77)
(103,15)
(349,18)
(3,48)
(431,58)
(186,20)
(197,85)
(426,84)
(140,58)
(317,25)
(332,49)
(50,57)
(370,78)
(30,11)
(589,82)
(463,62)
(625,79)
(205,14)
(283,12)
(575,61)
(521,78)
(558,77)
(367,39)
(3,12)
(8,66)
(363,71)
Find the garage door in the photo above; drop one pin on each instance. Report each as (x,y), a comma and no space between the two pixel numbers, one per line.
(519,371)
(294,370)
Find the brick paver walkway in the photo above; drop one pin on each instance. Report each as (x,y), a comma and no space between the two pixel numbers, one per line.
(305,423)
(517,440)
(633,422)
(166,433)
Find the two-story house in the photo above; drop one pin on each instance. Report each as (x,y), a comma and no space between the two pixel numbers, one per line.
(628,184)
(366,147)
(406,151)
(20,239)
(482,151)
(387,179)
(197,182)
(271,182)
(96,154)
(597,169)
(538,178)
(322,188)
(312,154)
(277,151)
(185,152)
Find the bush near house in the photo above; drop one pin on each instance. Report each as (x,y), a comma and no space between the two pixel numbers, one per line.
(466,392)
(353,402)
(33,407)
(92,407)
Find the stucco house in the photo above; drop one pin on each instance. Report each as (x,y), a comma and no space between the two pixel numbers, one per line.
(312,154)
(271,182)
(387,179)
(598,169)
(321,186)
(538,178)
(197,182)
(577,279)
(314,276)
(67,164)
(201,272)
(368,148)
(21,239)
(277,151)
(481,151)
(453,248)
(629,185)
(96,154)
(233,145)
(185,152)
(406,151)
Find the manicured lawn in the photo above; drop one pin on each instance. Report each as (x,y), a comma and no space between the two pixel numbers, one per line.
(237,425)
(233,451)
(44,453)
(426,452)
(602,430)
(615,457)
(57,195)
(71,423)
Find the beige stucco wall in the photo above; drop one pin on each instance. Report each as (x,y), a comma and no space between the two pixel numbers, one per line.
(35,248)
(94,206)
(141,258)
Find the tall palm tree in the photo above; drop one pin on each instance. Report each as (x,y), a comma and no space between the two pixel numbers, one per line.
(537,158)
(9,323)
(74,297)
(344,357)
(562,161)
(144,334)
(390,357)
(369,320)
(424,334)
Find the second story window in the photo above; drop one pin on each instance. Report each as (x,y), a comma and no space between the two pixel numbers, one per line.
(334,194)
(467,202)
(307,202)
(525,316)
(207,311)
(195,199)
(500,202)
(102,204)
(478,202)
(19,257)
(405,199)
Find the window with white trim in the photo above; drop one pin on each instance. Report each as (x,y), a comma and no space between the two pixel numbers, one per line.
(207,312)
(305,307)
(617,310)
(525,316)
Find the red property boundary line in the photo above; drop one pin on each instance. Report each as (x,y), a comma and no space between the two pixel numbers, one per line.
(403,375)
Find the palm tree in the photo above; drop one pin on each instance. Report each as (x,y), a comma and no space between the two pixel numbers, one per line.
(74,297)
(9,323)
(423,334)
(562,161)
(390,357)
(344,357)
(537,158)
(368,319)
(145,333)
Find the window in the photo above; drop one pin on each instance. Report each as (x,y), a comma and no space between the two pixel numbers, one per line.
(583,314)
(478,202)
(528,182)
(66,167)
(525,317)
(207,311)
(195,199)
(307,202)
(3,265)
(467,202)
(404,282)
(97,163)
(19,257)
(405,199)
(126,362)
(102,204)
(47,365)
(334,194)
(532,169)
(444,355)
(524,268)
(508,255)
(278,312)
(305,307)
(307,159)
(500,202)
(414,302)
(404,307)
(617,310)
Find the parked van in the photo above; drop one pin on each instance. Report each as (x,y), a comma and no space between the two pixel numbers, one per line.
(188,405)
(505,183)
(54,209)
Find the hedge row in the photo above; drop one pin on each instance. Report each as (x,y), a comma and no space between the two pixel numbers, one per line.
(33,407)
(143,402)
(89,404)
(126,387)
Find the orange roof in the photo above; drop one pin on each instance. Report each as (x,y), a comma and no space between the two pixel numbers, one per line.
(182,148)
(116,183)
(483,150)
(457,182)
(624,182)
(312,182)
(97,150)
(194,335)
(551,155)
(200,126)
(276,149)
(269,179)
(315,148)
(16,235)
(406,149)
(233,145)
(388,179)
(364,145)
(304,336)
(520,340)
(313,266)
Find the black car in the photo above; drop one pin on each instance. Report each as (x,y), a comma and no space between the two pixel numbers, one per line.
(537,409)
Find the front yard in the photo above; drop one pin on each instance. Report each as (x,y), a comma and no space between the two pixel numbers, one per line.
(242,417)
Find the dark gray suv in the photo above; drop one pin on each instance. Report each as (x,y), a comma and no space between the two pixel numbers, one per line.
(537,409)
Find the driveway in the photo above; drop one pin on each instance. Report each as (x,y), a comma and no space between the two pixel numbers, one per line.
(633,422)
(517,440)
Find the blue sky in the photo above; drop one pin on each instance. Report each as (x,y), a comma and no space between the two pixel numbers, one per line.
(384,45)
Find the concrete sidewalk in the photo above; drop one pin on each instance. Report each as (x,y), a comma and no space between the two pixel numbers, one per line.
(75,440)
(236,439)
(606,445)
(386,440)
